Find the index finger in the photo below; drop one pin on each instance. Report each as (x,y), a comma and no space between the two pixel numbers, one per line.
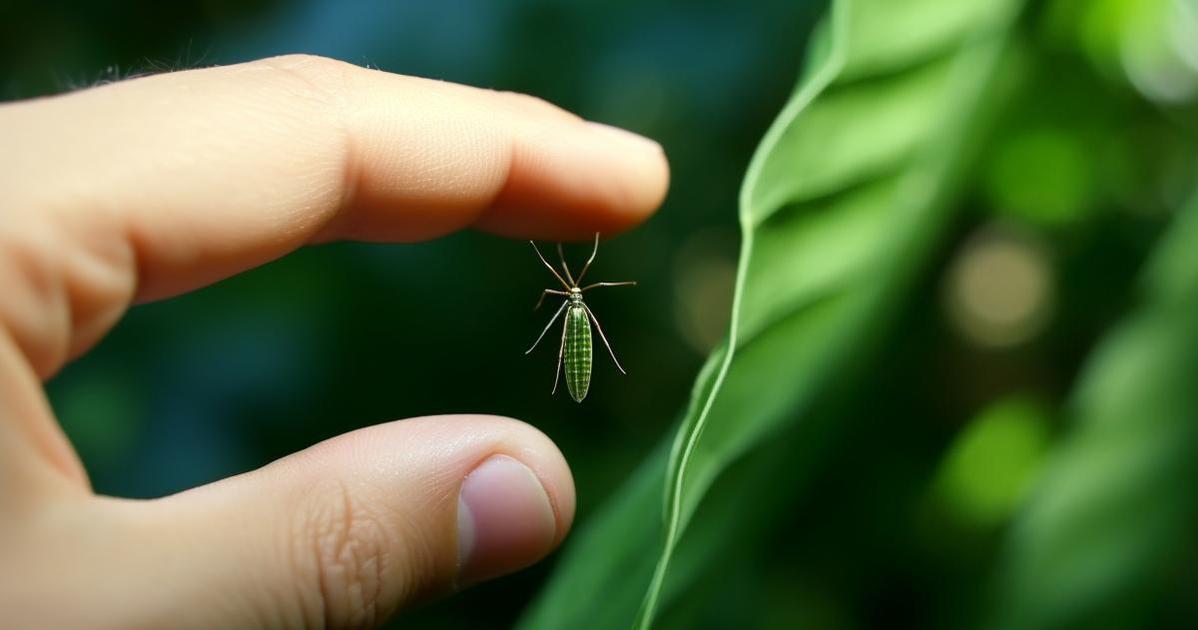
(203,173)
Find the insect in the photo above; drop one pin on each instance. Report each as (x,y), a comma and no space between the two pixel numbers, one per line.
(576,331)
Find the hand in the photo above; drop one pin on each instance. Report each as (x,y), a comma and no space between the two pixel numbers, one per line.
(155,186)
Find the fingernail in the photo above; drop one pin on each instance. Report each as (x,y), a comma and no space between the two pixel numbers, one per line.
(635,141)
(505,521)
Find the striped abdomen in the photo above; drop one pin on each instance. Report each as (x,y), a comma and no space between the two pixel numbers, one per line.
(578,352)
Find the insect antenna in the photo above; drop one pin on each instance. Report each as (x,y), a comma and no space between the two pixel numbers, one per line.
(590,260)
(548,266)
(565,267)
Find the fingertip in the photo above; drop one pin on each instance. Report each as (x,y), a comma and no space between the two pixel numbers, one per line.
(585,177)
(457,444)
(646,166)
(450,449)
(505,519)
(534,449)
(442,157)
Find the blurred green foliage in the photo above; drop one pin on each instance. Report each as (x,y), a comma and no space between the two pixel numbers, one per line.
(1117,501)
(956,397)
(990,466)
(844,194)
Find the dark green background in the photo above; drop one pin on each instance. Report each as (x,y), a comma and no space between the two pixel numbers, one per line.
(341,336)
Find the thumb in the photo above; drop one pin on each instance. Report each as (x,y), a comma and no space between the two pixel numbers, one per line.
(353,529)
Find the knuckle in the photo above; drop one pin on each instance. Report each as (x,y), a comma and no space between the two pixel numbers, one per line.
(68,269)
(345,553)
(318,94)
(319,79)
(527,103)
(31,277)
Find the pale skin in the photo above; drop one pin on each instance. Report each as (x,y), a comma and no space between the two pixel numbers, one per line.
(156,186)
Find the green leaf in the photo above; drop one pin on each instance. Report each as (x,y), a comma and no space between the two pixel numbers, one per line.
(1117,495)
(607,562)
(841,204)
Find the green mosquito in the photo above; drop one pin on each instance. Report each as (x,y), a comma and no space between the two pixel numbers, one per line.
(576,331)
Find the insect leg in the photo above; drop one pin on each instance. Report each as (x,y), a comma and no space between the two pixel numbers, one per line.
(547,265)
(561,352)
(547,292)
(608,284)
(591,259)
(555,316)
(565,267)
(604,338)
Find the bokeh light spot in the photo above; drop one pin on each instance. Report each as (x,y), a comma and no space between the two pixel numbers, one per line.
(1000,290)
(705,275)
